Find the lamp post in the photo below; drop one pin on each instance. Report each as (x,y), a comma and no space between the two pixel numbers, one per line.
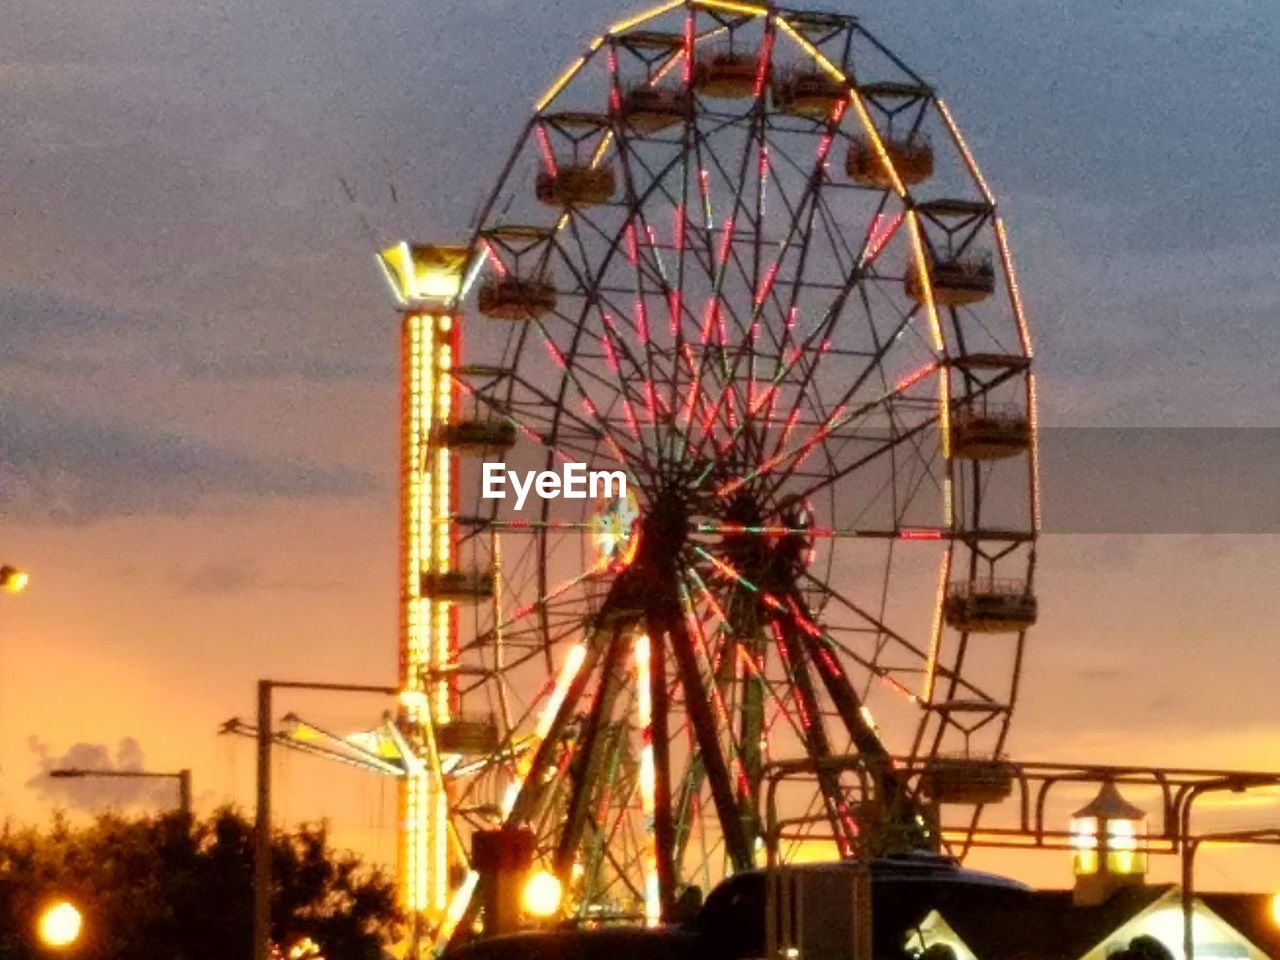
(183,777)
(262,817)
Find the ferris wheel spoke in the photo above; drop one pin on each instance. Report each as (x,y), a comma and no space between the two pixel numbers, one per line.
(883,448)
(962,685)
(717,306)
(641,320)
(504,411)
(599,428)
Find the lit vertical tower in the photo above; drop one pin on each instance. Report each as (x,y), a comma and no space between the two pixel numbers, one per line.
(427,282)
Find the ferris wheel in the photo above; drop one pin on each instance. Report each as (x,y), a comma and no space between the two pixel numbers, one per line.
(743,268)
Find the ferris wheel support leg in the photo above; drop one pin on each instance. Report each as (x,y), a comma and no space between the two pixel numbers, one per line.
(751,690)
(898,808)
(586,766)
(817,743)
(663,821)
(697,702)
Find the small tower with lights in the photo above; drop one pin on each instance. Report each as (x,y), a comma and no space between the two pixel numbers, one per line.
(1109,836)
(427,281)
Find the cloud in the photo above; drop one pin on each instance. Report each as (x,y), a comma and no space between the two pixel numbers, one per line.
(49,332)
(235,575)
(96,793)
(218,577)
(67,468)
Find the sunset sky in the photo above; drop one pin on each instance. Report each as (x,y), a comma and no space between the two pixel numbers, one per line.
(198,431)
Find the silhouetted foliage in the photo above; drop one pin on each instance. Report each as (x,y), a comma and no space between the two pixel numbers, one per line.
(168,888)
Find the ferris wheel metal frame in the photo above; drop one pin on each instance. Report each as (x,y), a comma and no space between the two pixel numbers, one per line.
(715,361)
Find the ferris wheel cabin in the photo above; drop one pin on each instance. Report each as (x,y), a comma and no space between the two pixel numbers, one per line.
(512,297)
(966,780)
(989,605)
(469,736)
(910,154)
(466,586)
(576,185)
(991,432)
(649,109)
(958,280)
(479,436)
(727,74)
(807,92)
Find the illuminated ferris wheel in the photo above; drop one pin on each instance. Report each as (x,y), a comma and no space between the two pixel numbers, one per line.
(741,259)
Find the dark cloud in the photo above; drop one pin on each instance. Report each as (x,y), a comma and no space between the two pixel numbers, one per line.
(218,577)
(221,577)
(62,467)
(45,331)
(97,793)
(308,368)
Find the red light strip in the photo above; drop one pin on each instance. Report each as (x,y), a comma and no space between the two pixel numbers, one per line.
(911,379)
(544,144)
(880,236)
(493,258)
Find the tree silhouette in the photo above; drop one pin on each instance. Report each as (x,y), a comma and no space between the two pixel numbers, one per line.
(169,888)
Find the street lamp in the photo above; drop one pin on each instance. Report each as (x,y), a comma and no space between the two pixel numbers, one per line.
(542,894)
(59,925)
(183,777)
(262,815)
(13,580)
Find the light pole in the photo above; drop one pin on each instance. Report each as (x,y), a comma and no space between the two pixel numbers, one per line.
(183,777)
(262,817)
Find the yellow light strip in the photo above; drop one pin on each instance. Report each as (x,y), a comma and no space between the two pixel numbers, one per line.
(1033,415)
(935,638)
(441,545)
(749,9)
(458,906)
(568,671)
(644,716)
(605,142)
(1015,295)
(926,280)
(964,152)
(624,25)
(561,82)
(944,421)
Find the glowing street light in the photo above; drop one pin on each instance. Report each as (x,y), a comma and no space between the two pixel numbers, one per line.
(1275,909)
(542,894)
(59,925)
(13,580)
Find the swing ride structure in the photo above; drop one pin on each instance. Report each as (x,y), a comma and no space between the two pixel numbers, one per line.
(741,257)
